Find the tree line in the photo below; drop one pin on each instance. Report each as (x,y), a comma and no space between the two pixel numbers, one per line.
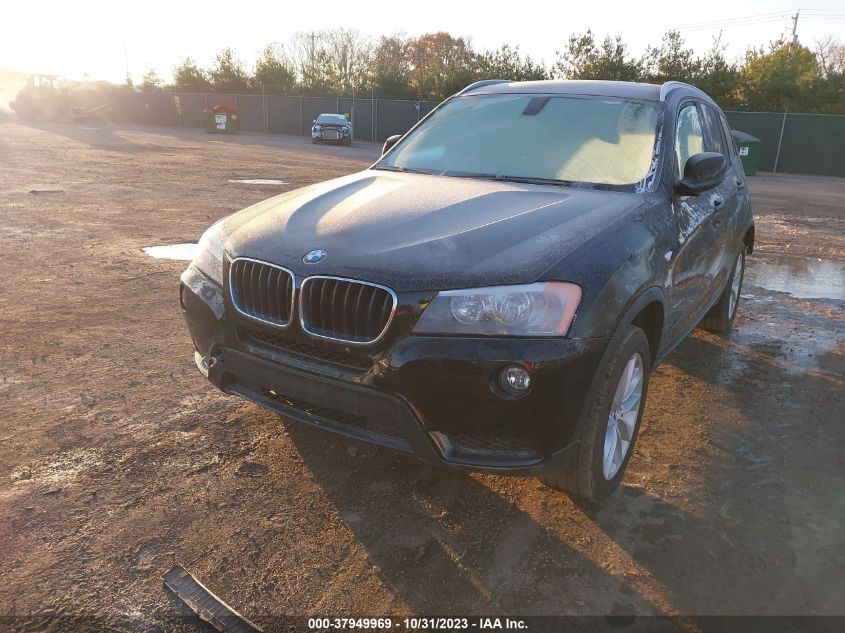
(784,75)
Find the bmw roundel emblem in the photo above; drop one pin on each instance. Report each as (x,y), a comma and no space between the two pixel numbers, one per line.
(314,257)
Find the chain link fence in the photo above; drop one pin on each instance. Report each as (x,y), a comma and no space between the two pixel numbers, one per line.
(796,143)
(372,119)
(791,142)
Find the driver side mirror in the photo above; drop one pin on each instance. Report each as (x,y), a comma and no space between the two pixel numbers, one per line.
(390,142)
(702,172)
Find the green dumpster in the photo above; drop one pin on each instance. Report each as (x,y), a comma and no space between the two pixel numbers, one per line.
(748,148)
(221,119)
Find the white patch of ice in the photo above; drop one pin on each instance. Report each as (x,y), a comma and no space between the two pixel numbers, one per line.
(182,252)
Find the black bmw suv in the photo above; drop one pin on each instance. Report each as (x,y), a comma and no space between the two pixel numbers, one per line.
(495,291)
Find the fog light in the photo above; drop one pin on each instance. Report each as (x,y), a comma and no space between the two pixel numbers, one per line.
(515,380)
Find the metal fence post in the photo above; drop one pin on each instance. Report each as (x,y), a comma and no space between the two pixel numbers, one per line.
(300,115)
(780,142)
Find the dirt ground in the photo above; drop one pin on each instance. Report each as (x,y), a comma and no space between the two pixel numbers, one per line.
(117,460)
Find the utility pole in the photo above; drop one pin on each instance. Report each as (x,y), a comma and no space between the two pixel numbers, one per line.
(786,106)
(312,56)
(126,62)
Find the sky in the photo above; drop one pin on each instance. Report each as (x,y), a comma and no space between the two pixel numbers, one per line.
(96,39)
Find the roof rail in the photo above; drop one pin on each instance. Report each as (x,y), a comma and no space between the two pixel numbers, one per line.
(670,85)
(479,84)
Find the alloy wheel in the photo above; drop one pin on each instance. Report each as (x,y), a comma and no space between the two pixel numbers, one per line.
(622,421)
(736,282)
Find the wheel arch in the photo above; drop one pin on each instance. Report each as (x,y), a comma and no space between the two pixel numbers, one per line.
(748,239)
(646,310)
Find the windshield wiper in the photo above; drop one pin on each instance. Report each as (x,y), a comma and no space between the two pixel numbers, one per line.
(531,180)
(404,170)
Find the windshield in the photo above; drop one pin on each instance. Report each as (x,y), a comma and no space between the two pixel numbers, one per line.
(605,141)
(332,119)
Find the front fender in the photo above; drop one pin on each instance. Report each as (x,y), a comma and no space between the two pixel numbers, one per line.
(614,271)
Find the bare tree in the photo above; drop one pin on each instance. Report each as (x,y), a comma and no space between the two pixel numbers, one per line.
(831,55)
(330,61)
(348,54)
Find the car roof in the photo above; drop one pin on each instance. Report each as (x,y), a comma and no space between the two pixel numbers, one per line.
(588,87)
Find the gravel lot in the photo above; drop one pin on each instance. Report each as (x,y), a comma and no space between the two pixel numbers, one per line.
(117,460)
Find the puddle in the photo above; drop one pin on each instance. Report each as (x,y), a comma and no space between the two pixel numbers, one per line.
(801,277)
(259,181)
(183,252)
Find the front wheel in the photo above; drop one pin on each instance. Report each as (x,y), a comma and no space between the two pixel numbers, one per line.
(613,422)
(721,316)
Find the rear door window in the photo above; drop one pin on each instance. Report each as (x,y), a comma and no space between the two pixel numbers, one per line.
(715,133)
(727,129)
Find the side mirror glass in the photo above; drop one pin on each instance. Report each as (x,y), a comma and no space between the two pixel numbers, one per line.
(390,142)
(701,173)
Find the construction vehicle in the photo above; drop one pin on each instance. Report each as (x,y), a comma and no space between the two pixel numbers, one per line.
(45,98)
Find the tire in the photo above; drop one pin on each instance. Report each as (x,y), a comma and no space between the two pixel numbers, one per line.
(347,142)
(720,318)
(315,141)
(587,478)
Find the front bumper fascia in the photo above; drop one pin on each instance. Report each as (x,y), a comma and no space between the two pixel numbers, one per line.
(418,390)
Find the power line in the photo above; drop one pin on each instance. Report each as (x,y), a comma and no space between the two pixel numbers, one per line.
(731,25)
(735,25)
(761,18)
(757,16)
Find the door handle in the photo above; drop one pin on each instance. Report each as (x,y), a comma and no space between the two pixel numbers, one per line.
(739,183)
(717,203)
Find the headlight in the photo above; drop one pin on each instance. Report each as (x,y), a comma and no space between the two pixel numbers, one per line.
(541,309)
(209,254)
(316,128)
(345,130)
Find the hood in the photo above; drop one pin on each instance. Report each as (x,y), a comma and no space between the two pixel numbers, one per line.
(421,232)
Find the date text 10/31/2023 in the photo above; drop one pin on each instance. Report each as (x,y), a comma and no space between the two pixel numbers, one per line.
(418,623)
